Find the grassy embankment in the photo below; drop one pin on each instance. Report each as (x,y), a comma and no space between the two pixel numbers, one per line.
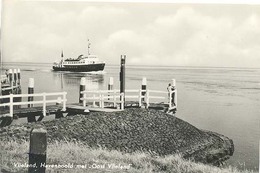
(64,153)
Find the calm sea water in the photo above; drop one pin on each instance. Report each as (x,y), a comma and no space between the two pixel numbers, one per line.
(223,100)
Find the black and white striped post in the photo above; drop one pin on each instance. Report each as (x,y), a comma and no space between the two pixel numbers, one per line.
(110,85)
(38,150)
(143,87)
(82,87)
(122,79)
(31,118)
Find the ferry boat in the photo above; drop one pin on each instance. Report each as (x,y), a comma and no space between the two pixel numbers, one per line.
(83,63)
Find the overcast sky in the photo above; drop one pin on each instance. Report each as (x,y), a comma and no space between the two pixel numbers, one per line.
(148,33)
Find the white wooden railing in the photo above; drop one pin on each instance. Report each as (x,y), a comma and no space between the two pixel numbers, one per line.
(102,96)
(115,97)
(60,100)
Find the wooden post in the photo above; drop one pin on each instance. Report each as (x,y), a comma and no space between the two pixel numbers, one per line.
(18,77)
(10,74)
(170,100)
(122,102)
(100,100)
(147,99)
(122,78)
(173,92)
(31,118)
(114,98)
(44,104)
(38,150)
(11,106)
(15,77)
(110,86)
(0,91)
(85,101)
(94,102)
(82,87)
(30,91)
(64,101)
(143,87)
(140,98)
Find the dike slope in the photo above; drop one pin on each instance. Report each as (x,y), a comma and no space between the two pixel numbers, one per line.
(133,130)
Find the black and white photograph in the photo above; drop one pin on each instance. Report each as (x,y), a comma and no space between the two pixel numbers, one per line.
(129,86)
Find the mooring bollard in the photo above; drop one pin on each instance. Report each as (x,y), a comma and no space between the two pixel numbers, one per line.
(30,118)
(143,87)
(82,87)
(122,78)
(110,86)
(18,76)
(38,150)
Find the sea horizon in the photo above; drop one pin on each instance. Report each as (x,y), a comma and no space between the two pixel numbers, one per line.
(138,65)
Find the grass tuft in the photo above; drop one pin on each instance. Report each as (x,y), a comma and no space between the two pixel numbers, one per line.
(86,159)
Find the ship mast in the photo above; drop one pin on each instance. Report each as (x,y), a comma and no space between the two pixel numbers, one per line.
(89,47)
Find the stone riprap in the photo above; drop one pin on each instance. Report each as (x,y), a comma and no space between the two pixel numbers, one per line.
(133,130)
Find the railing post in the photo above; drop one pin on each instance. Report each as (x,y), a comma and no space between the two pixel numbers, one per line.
(170,99)
(114,98)
(11,106)
(94,97)
(44,104)
(15,77)
(85,99)
(18,76)
(64,101)
(173,93)
(102,100)
(30,91)
(175,98)
(147,99)
(31,118)
(38,150)
(82,87)
(122,102)
(0,90)
(10,75)
(110,86)
(140,97)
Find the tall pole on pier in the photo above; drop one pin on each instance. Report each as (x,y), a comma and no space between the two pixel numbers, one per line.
(122,77)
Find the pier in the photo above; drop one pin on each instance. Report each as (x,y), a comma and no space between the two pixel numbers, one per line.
(36,106)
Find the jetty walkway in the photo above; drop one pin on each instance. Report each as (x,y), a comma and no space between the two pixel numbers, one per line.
(14,104)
